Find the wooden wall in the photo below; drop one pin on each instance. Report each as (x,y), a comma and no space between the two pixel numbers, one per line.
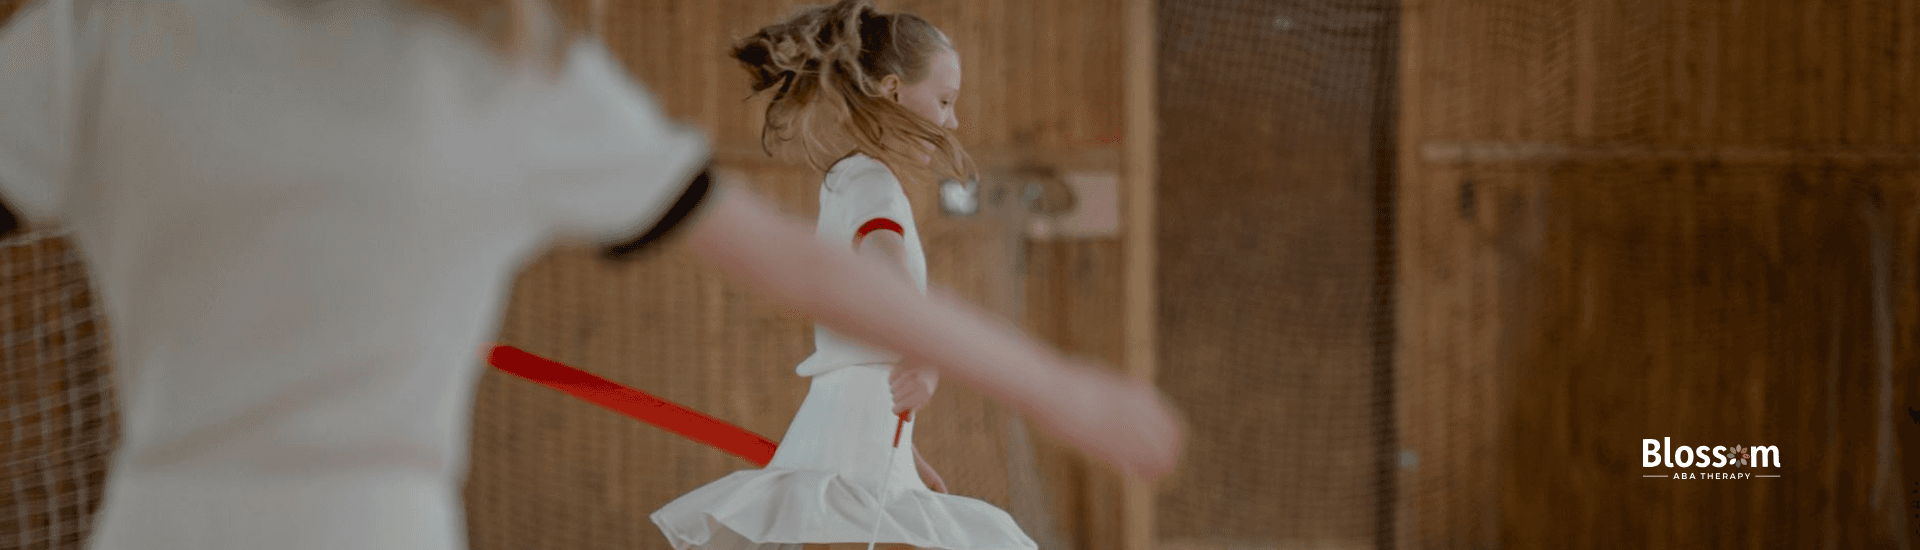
(1041,91)
(1627,220)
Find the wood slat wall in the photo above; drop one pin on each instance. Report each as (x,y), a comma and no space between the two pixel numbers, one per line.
(1627,220)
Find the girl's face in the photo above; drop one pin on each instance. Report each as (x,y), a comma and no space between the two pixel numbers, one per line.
(932,97)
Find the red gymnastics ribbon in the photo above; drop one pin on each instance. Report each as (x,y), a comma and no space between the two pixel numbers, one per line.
(635,404)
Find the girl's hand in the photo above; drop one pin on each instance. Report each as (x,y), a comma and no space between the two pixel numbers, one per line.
(912,387)
(1121,422)
(927,474)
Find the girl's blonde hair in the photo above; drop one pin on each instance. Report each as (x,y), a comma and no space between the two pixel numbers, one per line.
(825,65)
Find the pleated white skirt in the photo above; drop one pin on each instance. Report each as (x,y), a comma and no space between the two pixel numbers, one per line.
(823,485)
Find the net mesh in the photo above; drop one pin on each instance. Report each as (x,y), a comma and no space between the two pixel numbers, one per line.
(1274,212)
(57,422)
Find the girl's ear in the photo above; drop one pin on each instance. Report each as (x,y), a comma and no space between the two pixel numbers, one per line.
(890,85)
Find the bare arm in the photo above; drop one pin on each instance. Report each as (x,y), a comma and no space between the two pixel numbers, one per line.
(886,247)
(913,385)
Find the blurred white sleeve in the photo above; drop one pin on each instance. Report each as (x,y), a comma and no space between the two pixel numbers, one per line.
(606,161)
(38,115)
(869,198)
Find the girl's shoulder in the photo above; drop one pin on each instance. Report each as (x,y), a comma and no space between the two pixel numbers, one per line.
(860,173)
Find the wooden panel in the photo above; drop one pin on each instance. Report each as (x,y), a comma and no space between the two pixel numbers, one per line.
(1670,231)
(1074,301)
(1676,74)
(1460,261)
(1715,306)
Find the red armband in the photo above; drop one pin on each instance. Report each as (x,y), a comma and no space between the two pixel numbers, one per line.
(878,224)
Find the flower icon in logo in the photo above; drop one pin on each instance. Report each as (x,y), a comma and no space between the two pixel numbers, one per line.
(1739,456)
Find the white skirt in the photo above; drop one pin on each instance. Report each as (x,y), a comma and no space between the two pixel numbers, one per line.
(822,484)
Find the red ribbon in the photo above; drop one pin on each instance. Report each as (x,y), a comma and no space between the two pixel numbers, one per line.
(636,404)
(900,426)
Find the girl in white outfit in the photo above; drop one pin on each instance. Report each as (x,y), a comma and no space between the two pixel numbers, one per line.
(302,215)
(886,84)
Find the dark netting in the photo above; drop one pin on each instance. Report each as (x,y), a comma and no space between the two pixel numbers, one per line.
(57,422)
(1276,225)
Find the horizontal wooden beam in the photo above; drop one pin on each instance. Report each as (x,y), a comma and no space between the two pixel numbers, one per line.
(1516,152)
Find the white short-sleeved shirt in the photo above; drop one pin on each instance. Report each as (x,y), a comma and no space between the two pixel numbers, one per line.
(302,218)
(861,193)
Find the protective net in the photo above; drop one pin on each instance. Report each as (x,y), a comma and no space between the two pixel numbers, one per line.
(1275,219)
(57,422)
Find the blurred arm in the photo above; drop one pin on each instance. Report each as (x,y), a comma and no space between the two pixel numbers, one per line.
(1124,423)
(886,247)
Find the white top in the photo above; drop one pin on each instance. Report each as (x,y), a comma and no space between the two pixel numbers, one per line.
(859,189)
(824,484)
(302,218)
